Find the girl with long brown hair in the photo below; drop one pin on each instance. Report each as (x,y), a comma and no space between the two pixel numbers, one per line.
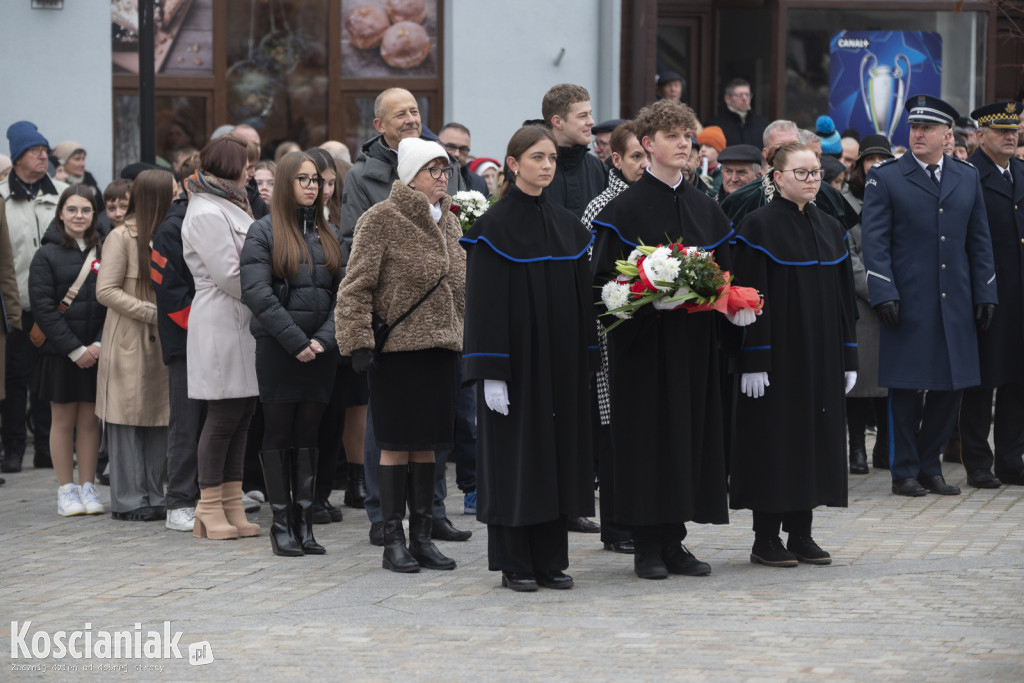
(290,271)
(132,398)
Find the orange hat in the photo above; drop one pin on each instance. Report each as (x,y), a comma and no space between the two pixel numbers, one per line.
(712,136)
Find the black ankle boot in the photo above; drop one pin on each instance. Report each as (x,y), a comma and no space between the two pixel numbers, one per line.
(421,517)
(355,492)
(858,461)
(392,480)
(277,473)
(303,483)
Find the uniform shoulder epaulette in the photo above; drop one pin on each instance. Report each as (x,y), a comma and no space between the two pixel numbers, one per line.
(885,162)
(962,161)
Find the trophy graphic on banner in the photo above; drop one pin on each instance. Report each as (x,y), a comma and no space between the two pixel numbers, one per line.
(884,91)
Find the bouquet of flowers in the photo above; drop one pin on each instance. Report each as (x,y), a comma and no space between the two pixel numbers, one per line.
(675,276)
(469,205)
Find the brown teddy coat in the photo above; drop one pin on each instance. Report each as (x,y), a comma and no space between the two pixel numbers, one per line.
(398,254)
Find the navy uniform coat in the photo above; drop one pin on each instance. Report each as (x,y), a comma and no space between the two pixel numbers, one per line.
(1002,361)
(930,250)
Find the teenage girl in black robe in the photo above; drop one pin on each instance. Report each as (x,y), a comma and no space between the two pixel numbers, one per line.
(530,344)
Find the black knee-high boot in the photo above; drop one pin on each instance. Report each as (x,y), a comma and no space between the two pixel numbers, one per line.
(421,520)
(303,486)
(277,472)
(392,481)
(856,421)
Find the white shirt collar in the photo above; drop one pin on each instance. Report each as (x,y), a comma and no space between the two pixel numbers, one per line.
(924,166)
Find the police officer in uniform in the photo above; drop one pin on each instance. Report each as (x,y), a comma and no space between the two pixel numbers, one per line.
(1002,345)
(928,257)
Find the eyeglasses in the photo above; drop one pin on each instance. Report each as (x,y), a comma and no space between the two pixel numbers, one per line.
(452,147)
(38,150)
(436,172)
(305,181)
(85,210)
(803,174)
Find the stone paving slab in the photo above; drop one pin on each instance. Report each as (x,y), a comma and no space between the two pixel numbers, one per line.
(929,588)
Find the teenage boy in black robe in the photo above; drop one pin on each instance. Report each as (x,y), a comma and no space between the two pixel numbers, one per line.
(666,414)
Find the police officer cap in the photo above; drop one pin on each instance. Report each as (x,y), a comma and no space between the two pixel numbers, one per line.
(742,153)
(930,109)
(999,115)
(607,126)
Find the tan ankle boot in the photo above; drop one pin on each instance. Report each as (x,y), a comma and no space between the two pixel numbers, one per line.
(210,520)
(233,510)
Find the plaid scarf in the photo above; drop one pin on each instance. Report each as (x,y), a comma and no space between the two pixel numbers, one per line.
(210,184)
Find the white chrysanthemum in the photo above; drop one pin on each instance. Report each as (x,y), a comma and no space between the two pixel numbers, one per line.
(662,267)
(634,255)
(615,295)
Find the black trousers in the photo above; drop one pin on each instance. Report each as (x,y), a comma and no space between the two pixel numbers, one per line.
(794,522)
(920,431)
(976,420)
(610,531)
(528,549)
(19,384)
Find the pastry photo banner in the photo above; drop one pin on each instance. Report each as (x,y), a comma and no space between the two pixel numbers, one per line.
(182,41)
(388,38)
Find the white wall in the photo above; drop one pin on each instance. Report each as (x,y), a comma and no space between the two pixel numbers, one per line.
(500,60)
(41,51)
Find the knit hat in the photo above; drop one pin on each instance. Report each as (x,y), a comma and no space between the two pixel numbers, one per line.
(23,135)
(481,164)
(825,127)
(414,154)
(65,150)
(712,136)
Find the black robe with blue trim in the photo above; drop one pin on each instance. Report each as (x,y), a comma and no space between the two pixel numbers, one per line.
(789,450)
(668,453)
(530,322)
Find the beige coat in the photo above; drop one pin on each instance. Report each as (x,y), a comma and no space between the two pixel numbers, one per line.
(9,291)
(27,221)
(398,254)
(221,350)
(132,380)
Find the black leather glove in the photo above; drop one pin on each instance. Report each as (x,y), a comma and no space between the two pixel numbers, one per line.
(983,315)
(363,360)
(889,312)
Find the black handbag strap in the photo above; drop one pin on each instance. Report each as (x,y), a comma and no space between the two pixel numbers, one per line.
(383,337)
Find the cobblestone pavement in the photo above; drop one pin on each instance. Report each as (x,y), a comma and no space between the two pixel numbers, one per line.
(926,589)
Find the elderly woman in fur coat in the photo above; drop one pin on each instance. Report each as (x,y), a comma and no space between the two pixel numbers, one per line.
(408,272)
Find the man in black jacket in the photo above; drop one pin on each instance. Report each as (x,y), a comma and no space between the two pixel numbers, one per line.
(455,138)
(739,122)
(579,175)
(175,289)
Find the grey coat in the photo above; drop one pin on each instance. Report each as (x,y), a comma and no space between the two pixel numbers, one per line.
(867,319)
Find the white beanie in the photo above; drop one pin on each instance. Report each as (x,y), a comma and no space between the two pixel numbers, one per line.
(414,154)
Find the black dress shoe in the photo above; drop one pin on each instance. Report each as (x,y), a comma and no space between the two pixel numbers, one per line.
(679,560)
(583,525)
(143,514)
(520,583)
(908,487)
(320,513)
(556,580)
(858,461)
(626,547)
(649,566)
(11,463)
(806,550)
(983,479)
(769,551)
(1011,478)
(936,484)
(377,533)
(444,530)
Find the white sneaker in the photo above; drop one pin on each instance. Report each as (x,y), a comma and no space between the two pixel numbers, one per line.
(181,519)
(256,495)
(250,504)
(69,503)
(91,499)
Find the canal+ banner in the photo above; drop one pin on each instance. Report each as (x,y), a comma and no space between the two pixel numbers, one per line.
(872,73)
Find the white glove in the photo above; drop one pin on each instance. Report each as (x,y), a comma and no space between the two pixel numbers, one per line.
(851,379)
(753,383)
(742,317)
(496,395)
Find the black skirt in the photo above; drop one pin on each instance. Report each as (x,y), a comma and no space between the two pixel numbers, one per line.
(283,379)
(355,390)
(61,381)
(412,400)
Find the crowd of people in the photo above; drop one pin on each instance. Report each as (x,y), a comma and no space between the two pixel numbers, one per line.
(256,326)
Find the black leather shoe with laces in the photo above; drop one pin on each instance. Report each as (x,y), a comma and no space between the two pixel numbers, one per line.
(806,550)
(769,551)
